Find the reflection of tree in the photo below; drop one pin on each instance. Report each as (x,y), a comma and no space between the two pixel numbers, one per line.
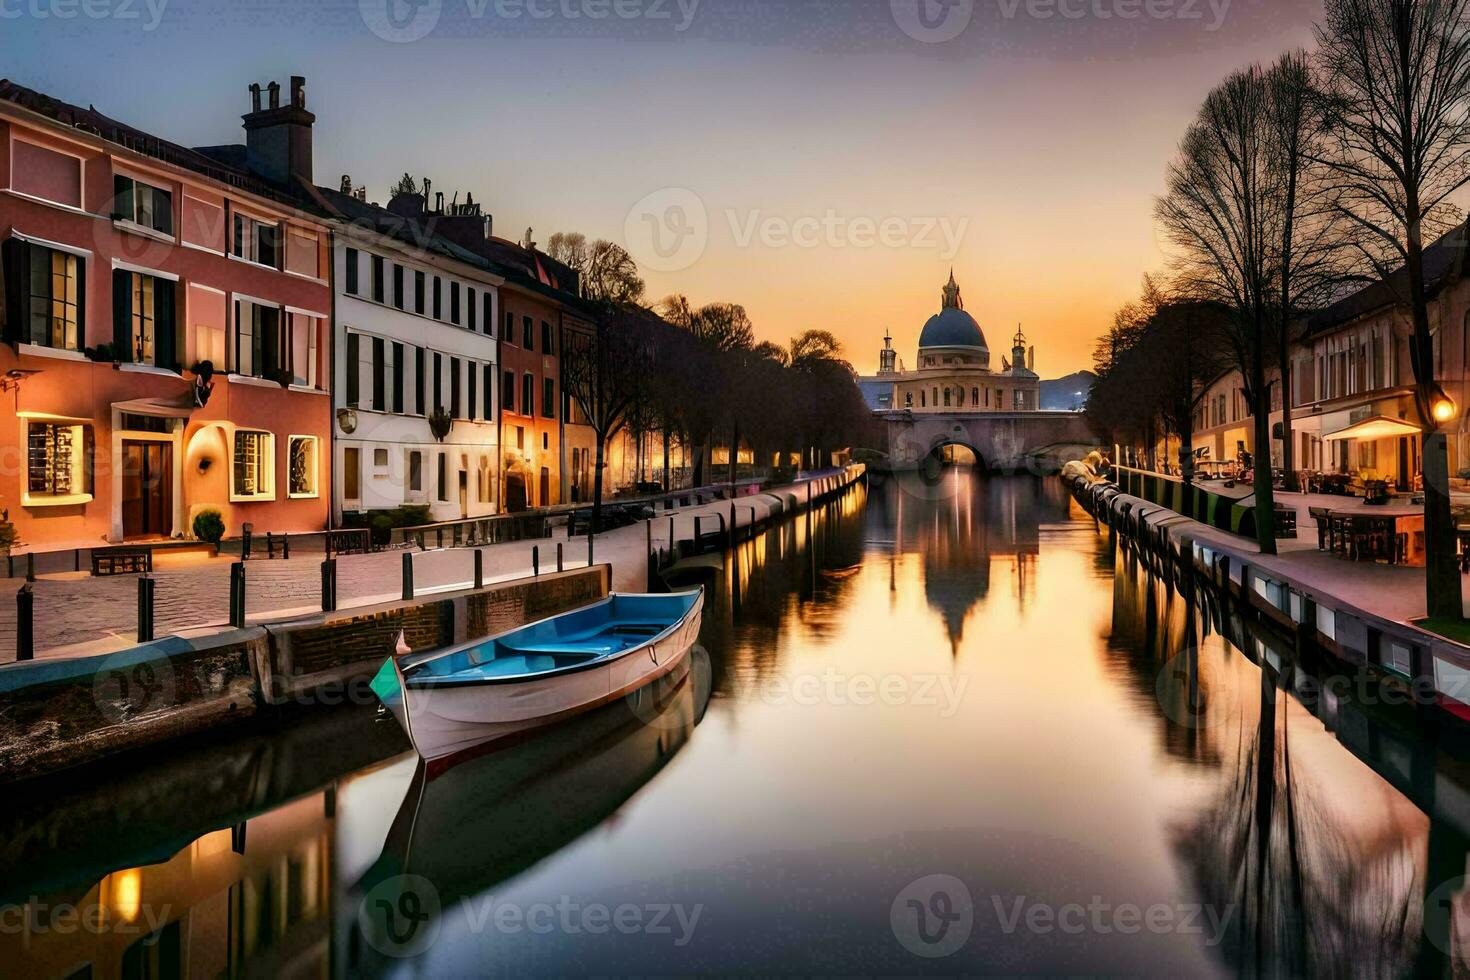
(1305,896)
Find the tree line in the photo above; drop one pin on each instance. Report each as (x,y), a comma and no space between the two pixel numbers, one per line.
(696,375)
(1296,183)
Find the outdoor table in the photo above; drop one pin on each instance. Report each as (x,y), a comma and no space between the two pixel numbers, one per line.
(1369,532)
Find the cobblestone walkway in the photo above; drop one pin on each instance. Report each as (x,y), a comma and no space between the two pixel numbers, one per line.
(77,614)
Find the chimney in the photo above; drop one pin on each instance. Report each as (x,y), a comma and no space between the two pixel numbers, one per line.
(278,138)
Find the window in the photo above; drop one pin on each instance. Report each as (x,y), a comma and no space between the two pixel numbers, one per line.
(415,471)
(259,242)
(396,402)
(56,461)
(254,466)
(303,349)
(454,403)
(470,307)
(49,287)
(484,482)
(488,403)
(418,381)
(546,345)
(354,370)
(454,303)
(143,319)
(418,292)
(397,285)
(488,298)
(526,338)
(377,278)
(528,395)
(975,397)
(472,377)
(908,399)
(142,204)
(380,367)
(438,289)
(380,458)
(351,276)
(257,344)
(548,398)
(508,392)
(438,381)
(443,476)
(509,334)
(302,473)
(351,473)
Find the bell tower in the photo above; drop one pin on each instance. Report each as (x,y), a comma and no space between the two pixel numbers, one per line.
(887,357)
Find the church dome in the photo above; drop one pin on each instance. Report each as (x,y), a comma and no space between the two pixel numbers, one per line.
(952,326)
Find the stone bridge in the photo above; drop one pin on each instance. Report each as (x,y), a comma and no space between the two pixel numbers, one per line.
(1004,441)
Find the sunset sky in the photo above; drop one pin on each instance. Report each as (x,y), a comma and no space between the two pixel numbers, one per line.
(823,156)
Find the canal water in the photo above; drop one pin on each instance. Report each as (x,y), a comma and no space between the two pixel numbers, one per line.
(943,727)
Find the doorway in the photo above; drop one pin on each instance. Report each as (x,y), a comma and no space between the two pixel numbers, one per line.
(545,487)
(147,489)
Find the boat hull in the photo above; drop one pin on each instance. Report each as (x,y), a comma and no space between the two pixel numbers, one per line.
(445,722)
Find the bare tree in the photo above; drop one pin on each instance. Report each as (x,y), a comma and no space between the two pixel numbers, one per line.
(606,373)
(607,272)
(1396,75)
(1222,214)
(1316,253)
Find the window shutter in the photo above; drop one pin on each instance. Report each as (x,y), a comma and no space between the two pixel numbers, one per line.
(354,370)
(122,197)
(122,315)
(81,303)
(165,335)
(17,276)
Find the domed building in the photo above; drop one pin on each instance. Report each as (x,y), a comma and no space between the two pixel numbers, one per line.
(954,372)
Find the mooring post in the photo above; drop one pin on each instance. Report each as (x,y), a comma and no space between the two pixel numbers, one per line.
(286,547)
(329,585)
(407,576)
(30,566)
(25,623)
(671,536)
(270,545)
(734,524)
(536,560)
(590,537)
(145,608)
(237,594)
(698,543)
(479,569)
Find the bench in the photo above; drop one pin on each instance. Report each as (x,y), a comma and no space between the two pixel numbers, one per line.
(121,560)
(349,541)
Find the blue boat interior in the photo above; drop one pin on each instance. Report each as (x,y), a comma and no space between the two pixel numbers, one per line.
(600,631)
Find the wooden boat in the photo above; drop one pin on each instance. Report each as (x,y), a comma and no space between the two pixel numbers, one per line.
(455,700)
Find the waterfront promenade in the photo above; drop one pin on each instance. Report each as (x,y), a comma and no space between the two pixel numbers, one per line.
(77,614)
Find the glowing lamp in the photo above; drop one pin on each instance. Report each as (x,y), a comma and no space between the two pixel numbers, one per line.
(1442,407)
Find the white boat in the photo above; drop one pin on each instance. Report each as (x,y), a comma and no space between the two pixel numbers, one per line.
(458,699)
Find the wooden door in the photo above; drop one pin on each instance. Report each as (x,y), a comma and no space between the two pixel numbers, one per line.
(147,489)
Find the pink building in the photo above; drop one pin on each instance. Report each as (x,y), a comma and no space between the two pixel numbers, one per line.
(166,348)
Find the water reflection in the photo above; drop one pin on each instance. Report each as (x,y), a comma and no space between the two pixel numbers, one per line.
(968,679)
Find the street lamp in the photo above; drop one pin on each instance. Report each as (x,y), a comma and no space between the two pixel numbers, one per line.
(1441,406)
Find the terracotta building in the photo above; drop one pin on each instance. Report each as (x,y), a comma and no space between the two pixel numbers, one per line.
(165,335)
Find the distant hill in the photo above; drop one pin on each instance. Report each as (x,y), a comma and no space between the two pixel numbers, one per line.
(1062,395)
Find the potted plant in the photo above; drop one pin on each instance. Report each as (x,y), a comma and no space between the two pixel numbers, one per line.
(209,526)
(8,536)
(440,423)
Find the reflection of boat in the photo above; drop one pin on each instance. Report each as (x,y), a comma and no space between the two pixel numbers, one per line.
(842,573)
(454,700)
(484,820)
(695,568)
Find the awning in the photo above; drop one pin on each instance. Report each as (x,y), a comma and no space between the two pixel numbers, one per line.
(1377,427)
(163,408)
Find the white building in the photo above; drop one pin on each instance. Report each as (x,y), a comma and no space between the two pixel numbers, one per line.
(414,332)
